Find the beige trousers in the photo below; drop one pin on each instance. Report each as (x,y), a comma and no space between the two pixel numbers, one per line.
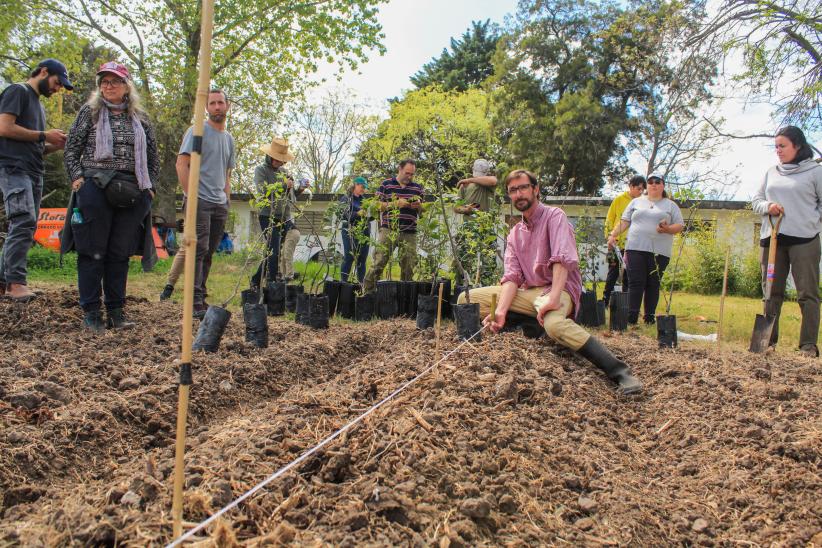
(406,243)
(289,245)
(557,324)
(177,267)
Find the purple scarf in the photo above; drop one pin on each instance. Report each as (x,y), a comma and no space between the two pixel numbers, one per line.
(104,144)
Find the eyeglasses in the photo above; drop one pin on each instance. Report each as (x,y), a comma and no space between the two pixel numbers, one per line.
(517,189)
(112,82)
(655,182)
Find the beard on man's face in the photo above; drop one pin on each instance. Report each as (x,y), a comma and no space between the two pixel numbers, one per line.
(43,88)
(523,204)
(218,118)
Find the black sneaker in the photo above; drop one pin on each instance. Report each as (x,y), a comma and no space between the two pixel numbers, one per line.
(167,291)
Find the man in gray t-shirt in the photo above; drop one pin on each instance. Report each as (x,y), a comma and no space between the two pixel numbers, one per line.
(214,191)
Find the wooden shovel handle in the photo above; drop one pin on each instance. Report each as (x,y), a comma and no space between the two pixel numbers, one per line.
(770,269)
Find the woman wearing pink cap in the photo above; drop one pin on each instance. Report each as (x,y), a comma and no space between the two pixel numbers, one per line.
(111,158)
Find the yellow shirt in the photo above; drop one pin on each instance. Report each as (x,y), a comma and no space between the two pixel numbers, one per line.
(615,215)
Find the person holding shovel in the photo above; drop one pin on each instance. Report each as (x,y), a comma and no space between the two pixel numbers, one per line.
(793,188)
(542,279)
(651,222)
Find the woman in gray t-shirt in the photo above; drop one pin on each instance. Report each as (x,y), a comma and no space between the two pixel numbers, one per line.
(653,220)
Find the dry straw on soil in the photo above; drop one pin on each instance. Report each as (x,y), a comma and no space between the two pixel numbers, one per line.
(510,442)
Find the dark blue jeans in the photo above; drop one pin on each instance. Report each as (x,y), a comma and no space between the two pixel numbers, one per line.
(104,241)
(272,261)
(353,250)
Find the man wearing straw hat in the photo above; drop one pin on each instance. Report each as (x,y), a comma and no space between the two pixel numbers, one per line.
(277,192)
(218,158)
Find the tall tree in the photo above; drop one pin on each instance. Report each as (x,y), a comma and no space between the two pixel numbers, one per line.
(468,63)
(261,47)
(324,135)
(443,131)
(781,46)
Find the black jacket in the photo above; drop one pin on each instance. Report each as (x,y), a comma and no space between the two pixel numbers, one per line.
(146,248)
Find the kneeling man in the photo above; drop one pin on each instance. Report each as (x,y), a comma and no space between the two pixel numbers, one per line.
(542,279)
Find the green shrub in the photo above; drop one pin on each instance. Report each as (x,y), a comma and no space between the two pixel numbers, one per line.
(45,260)
(748,282)
(701,266)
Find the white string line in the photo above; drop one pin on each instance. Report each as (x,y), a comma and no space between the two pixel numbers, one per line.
(202,525)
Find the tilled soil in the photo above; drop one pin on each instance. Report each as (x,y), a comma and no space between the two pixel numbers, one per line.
(509,441)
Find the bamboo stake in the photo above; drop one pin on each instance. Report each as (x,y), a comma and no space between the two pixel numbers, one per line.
(439,317)
(722,300)
(190,244)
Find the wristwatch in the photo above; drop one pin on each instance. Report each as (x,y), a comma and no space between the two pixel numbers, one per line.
(42,137)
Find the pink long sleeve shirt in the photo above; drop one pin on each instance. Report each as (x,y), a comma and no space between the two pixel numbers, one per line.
(533,248)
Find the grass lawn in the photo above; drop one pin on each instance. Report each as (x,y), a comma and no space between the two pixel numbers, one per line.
(230,274)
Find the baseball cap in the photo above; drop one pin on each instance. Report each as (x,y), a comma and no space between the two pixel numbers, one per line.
(656,175)
(114,68)
(481,168)
(56,67)
(361,181)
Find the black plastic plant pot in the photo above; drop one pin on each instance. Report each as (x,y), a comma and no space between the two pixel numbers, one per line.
(424,288)
(318,311)
(345,302)
(454,299)
(666,331)
(426,311)
(587,313)
(275,298)
(446,297)
(331,288)
(301,311)
(619,311)
(249,296)
(291,292)
(388,299)
(255,317)
(600,313)
(211,329)
(364,306)
(468,320)
(409,297)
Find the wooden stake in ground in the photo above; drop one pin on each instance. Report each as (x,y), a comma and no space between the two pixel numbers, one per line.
(190,244)
(493,306)
(722,300)
(439,317)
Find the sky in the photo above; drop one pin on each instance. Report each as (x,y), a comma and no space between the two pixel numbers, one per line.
(418,30)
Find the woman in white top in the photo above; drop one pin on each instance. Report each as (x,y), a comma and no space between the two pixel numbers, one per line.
(651,221)
(793,187)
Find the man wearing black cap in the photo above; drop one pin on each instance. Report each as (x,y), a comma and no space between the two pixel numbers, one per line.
(23,142)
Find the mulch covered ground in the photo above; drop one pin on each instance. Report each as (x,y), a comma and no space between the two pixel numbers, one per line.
(510,441)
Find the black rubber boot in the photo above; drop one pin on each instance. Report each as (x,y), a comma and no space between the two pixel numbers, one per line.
(167,291)
(117,320)
(93,321)
(616,369)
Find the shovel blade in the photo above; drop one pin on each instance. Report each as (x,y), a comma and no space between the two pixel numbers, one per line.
(761,338)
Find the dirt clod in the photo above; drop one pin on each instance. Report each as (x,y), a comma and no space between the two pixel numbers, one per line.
(587,505)
(476,508)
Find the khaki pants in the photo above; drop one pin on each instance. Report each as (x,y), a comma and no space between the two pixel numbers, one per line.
(406,242)
(177,267)
(289,245)
(557,324)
